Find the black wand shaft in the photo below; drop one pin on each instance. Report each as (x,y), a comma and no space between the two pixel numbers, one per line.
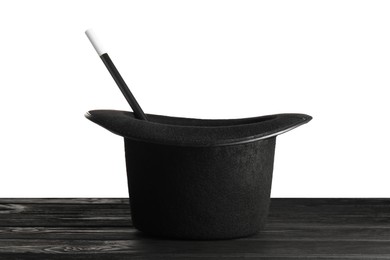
(138,113)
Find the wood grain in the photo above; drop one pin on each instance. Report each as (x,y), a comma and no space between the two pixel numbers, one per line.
(74,228)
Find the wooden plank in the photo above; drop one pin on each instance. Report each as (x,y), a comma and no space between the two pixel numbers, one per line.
(16,256)
(119,256)
(64,208)
(334,206)
(68,214)
(279,207)
(129,233)
(278,202)
(67,221)
(284,213)
(65,200)
(329,212)
(69,233)
(228,248)
(322,234)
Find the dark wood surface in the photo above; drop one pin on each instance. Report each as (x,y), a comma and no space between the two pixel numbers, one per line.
(101,229)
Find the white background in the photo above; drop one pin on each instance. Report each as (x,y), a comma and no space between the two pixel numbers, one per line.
(201,59)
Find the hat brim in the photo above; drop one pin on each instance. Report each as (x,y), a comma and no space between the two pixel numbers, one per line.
(195,132)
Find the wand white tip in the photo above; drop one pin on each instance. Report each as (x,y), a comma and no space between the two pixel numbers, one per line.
(95,42)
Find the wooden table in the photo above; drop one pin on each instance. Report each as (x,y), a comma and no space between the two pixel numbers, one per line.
(101,229)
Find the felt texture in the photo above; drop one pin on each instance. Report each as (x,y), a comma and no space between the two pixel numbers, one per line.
(216,192)
(198,179)
(195,132)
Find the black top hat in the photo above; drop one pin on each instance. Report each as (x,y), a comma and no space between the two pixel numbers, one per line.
(198,179)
